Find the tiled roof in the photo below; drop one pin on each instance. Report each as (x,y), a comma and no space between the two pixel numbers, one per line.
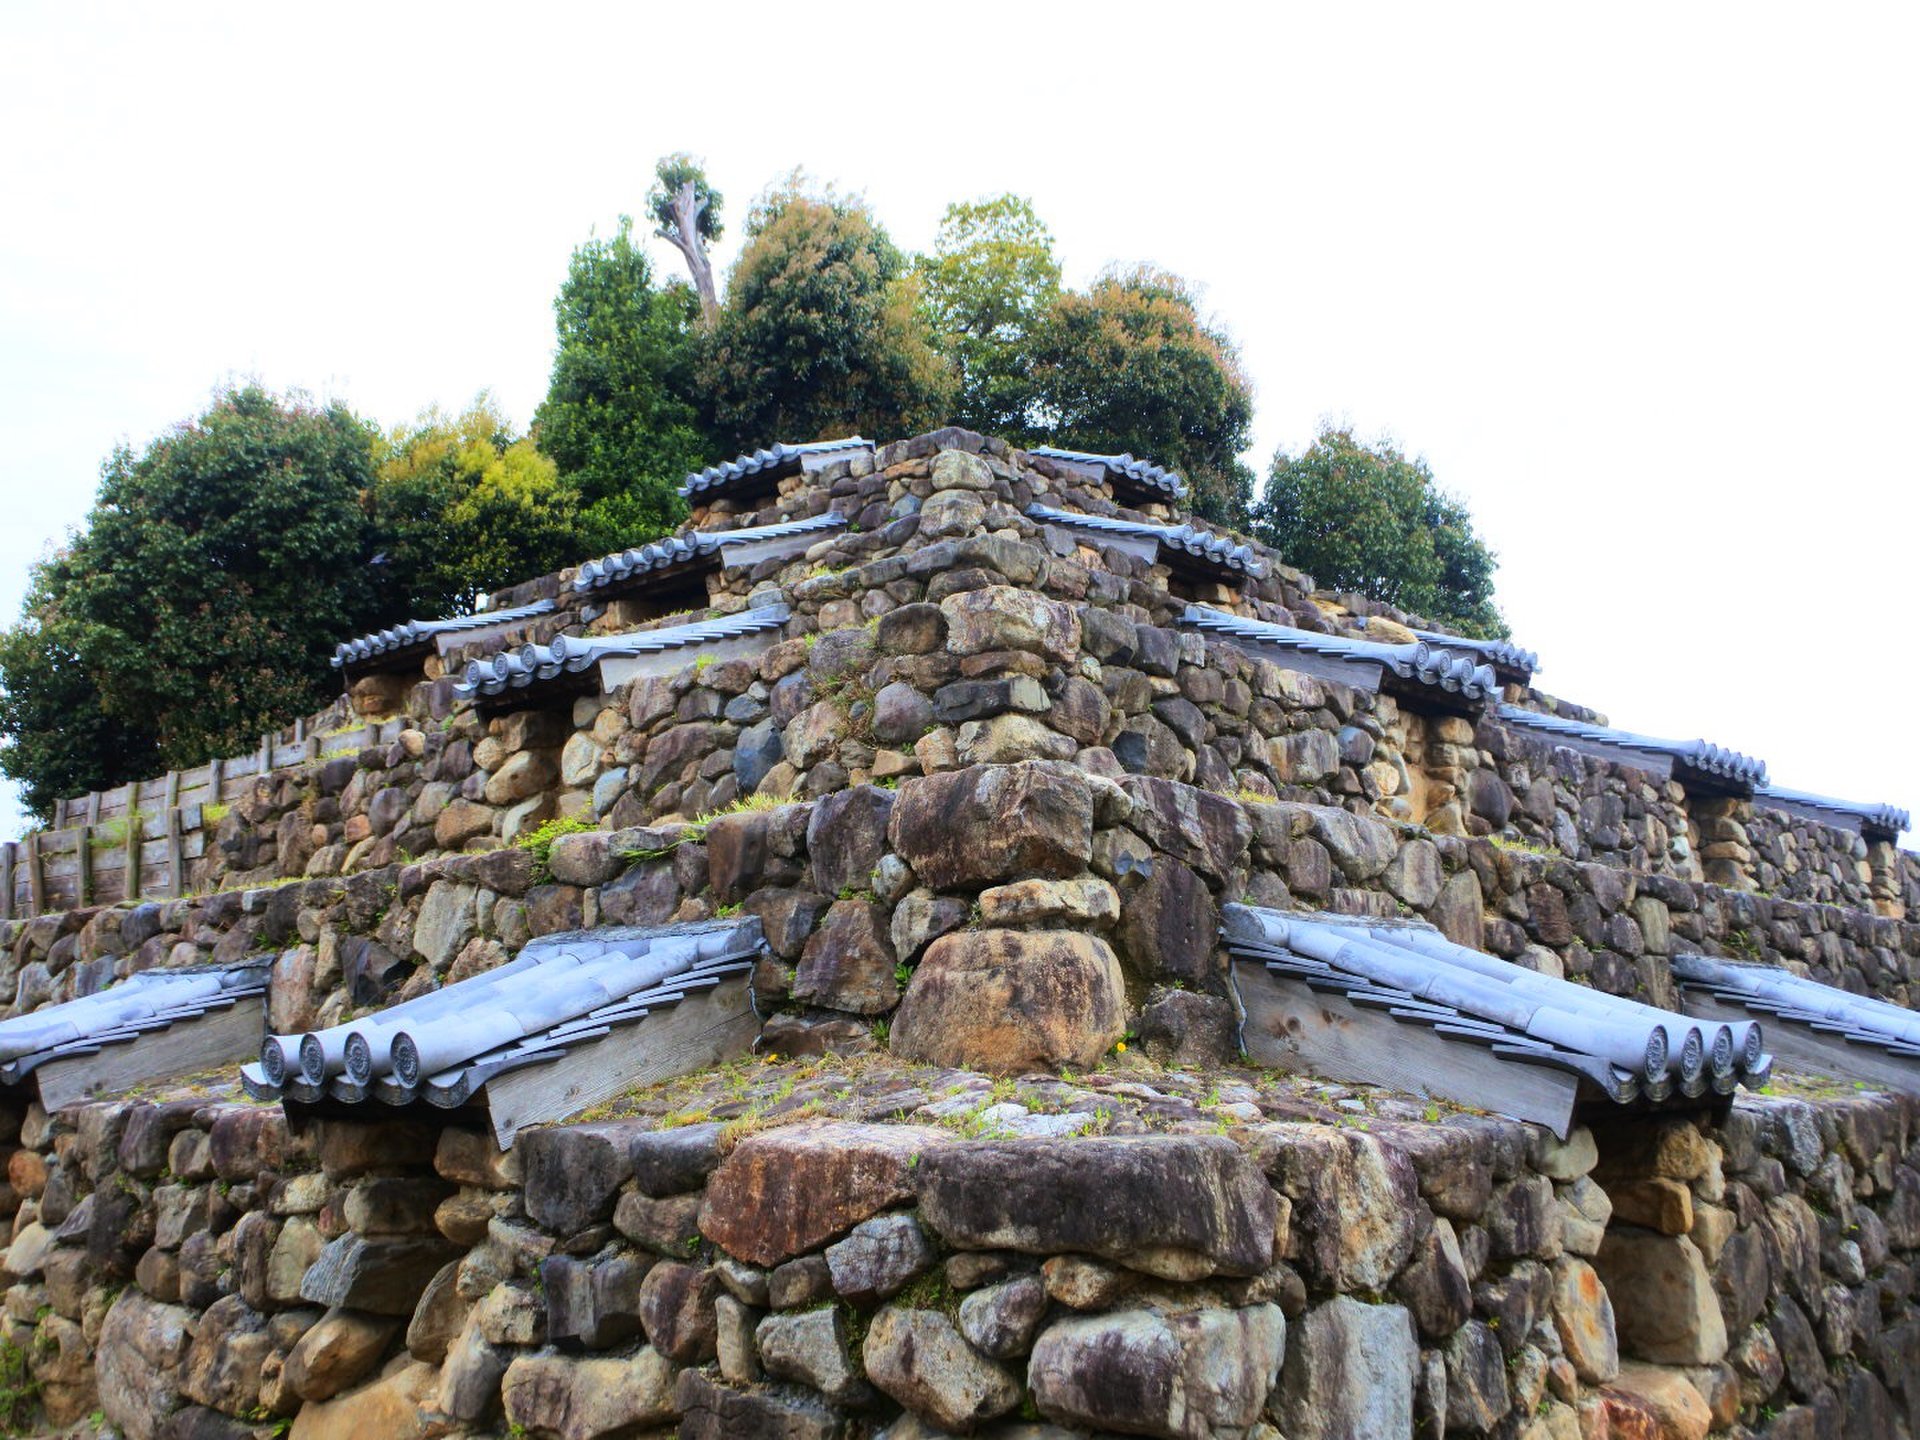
(413,634)
(570,654)
(1628,1050)
(1501,654)
(1858,816)
(145,1002)
(1123,471)
(1699,756)
(1443,669)
(1796,1000)
(1216,551)
(677,550)
(779,460)
(560,992)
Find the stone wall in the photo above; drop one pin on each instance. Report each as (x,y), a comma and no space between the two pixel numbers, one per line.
(913,1251)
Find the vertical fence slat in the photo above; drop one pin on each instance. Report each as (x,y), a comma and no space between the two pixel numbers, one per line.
(7,853)
(83,865)
(136,832)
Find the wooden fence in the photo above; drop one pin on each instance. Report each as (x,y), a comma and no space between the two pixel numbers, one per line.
(140,840)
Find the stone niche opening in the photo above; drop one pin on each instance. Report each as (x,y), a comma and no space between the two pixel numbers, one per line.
(686,596)
(1425,765)
(1658,1195)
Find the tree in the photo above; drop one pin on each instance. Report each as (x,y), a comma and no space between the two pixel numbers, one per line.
(1130,366)
(1367,518)
(988,287)
(55,737)
(462,506)
(821,333)
(686,209)
(198,607)
(619,419)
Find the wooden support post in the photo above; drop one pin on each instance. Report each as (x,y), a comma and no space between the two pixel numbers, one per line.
(93,807)
(266,753)
(216,780)
(82,864)
(176,857)
(7,854)
(170,799)
(300,731)
(36,875)
(136,833)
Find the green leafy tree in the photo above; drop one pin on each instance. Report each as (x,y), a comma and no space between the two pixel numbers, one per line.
(462,506)
(988,286)
(56,739)
(197,608)
(1131,366)
(619,419)
(1367,518)
(821,333)
(686,213)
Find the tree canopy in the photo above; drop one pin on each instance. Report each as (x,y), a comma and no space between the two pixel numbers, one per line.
(462,506)
(821,333)
(989,285)
(619,418)
(198,606)
(1366,518)
(1130,365)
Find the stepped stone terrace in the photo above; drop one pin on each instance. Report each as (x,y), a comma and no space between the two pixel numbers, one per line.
(947,944)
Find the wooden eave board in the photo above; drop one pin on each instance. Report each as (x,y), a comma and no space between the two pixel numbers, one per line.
(1293,1028)
(700,1031)
(617,670)
(224,1036)
(1656,765)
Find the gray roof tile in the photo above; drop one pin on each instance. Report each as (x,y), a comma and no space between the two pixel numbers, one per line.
(1701,757)
(1629,1050)
(1861,817)
(678,550)
(559,992)
(572,654)
(1438,667)
(145,1002)
(716,480)
(1123,472)
(417,634)
(1218,552)
(1795,1000)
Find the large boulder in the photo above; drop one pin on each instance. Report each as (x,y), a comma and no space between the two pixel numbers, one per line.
(143,1345)
(1349,1373)
(993,822)
(1182,1206)
(1185,1377)
(1355,1202)
(394,1407)
(920,1359)
(1012,1000)
(1009,617)
(586,1399)
(788,1191)
(1198,828)
(1672,1315)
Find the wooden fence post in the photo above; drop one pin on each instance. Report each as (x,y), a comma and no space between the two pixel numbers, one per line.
(82,864)
(136,833)
(7,853)
(176,856)
(36,875)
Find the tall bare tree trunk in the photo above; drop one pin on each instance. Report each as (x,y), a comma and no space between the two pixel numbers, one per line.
(685,237)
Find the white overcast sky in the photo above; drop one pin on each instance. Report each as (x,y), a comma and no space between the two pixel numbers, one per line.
(1638,280)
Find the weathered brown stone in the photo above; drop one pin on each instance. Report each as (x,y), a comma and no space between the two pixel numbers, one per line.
(713,1411)
(1355,1210)
(920,1358)
(385,1277)
(336,1352)
(846,835)
(1178,1206)
(1188,1376)
(573,1171)
(993,822)
(787,1191)
(142,1347)
(394,1407)
(848,962)
(587,1399)
(1673,1315)
(1006,617)
(1012,1000)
